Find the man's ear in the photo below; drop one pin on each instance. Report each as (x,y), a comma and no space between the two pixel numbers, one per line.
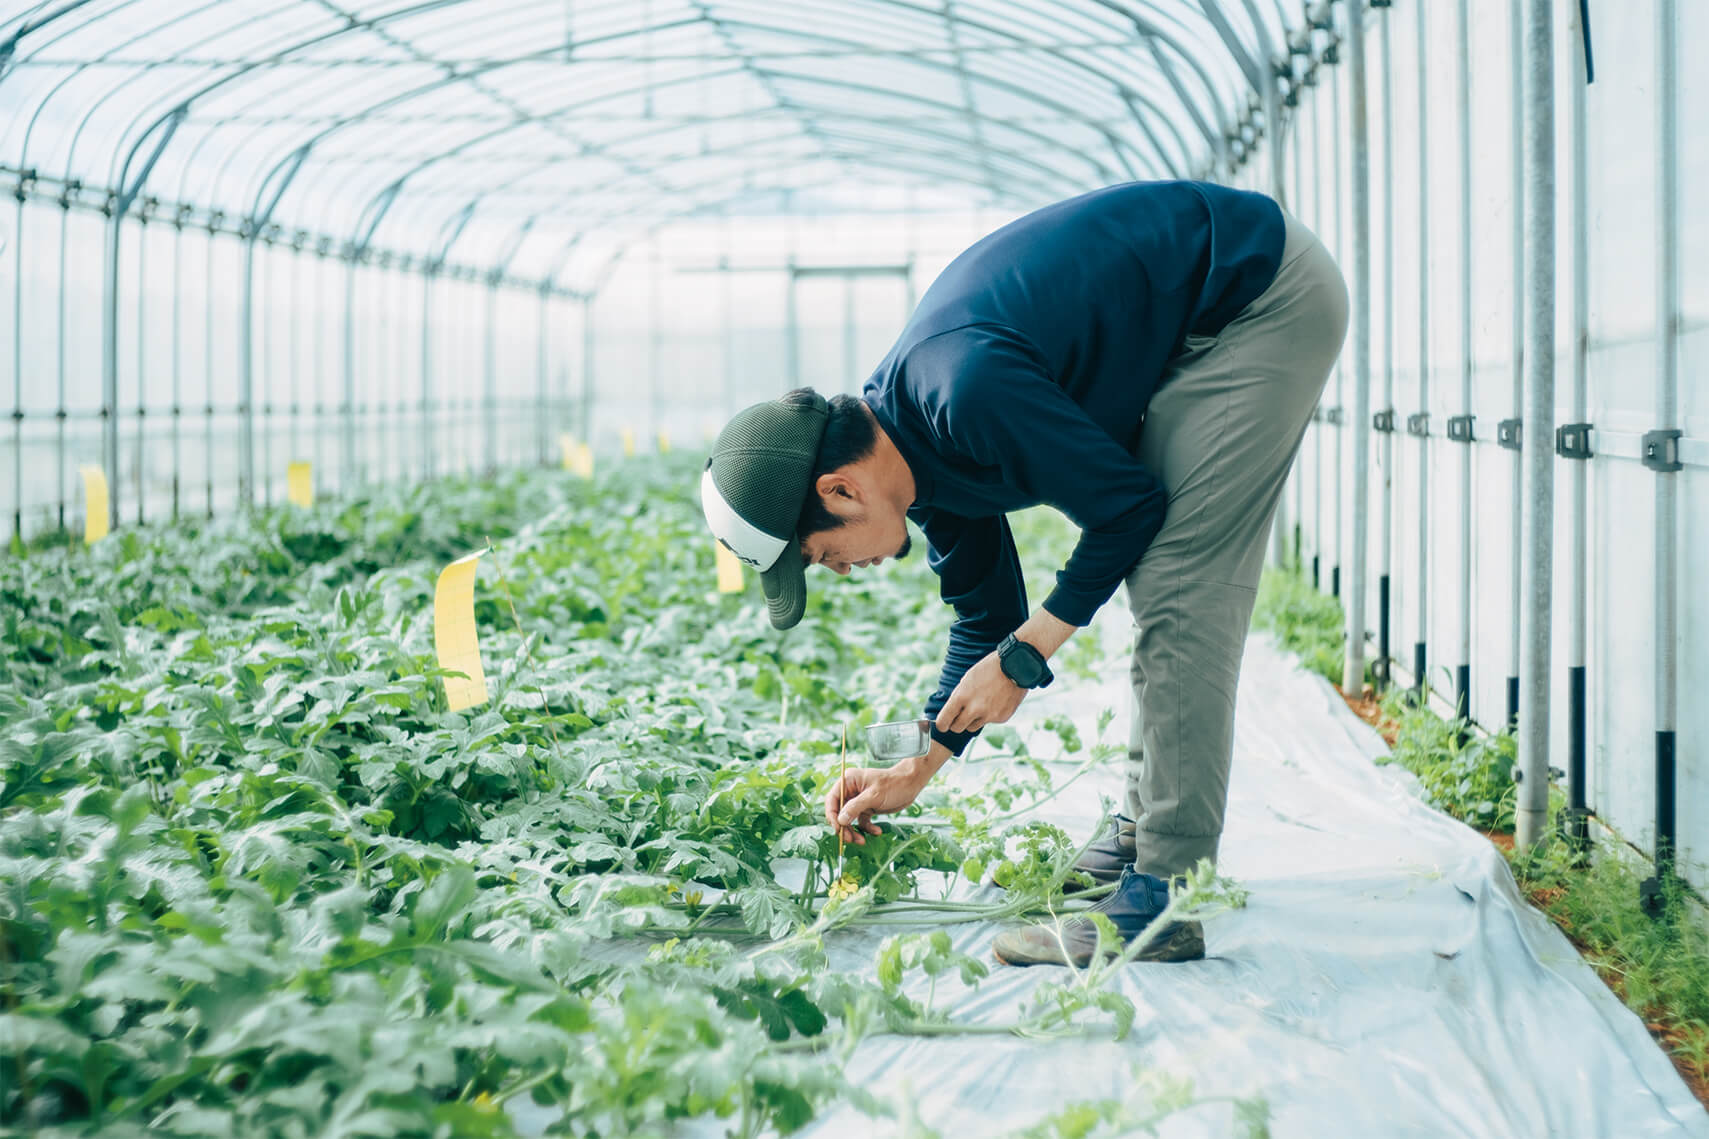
(838,485)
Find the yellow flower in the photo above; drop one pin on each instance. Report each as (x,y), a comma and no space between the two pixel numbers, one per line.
(844,887)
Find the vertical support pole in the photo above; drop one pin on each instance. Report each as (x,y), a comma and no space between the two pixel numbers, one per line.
(1385,445)
(588,377)
(792,328)
(1316,429)
(489,378)
(727,301)
(851,356)
(1298,203)
(1667,477)
(18,370)
(542,365)
(1515,568)
(59,360)
(655,340)
(208,374)
(1578,829)
(1420,650)
(246,373)
(1338,430)
(141,359)
(1353,670)
(348,409)
(1273,169)
(428,280)
(1537,441)
(110,365)
(1463,109)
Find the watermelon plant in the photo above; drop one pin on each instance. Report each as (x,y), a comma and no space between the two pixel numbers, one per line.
(255,878)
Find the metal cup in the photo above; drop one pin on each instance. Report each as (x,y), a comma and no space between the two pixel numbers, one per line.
(899,739)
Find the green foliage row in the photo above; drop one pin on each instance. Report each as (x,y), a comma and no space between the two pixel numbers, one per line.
(256,879)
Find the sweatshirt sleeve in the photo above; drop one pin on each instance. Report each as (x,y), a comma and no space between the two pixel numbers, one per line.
(980,575)
(1002,409)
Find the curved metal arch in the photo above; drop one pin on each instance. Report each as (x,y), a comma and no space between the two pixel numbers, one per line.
(1044,139)
(1051,175)
(702,77)
(373,23)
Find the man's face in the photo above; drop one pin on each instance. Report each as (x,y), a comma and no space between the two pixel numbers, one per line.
(865,538)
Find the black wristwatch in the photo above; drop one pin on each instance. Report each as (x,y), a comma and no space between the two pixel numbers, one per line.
(1023,664)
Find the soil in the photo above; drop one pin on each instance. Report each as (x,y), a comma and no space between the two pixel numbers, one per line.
(1696,1077)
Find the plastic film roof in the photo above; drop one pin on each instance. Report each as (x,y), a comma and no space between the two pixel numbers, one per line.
(518,134)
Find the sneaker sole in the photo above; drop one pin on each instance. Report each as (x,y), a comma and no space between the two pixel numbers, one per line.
(1188,944)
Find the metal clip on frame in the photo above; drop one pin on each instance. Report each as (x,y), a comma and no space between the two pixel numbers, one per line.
(1419,424)
(1661,450)
(1460,428)
(1572,441)
(1383,421)
(1508,433)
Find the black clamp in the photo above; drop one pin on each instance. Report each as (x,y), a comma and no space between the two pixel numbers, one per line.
(1508,433)
(1460,428)
(1332,416)
(1661,450)
(1572,441)
(1418,424)
(1383,421)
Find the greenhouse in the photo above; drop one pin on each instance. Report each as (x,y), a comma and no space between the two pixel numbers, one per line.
(562,568)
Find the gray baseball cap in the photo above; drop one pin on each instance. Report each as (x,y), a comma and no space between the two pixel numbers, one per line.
(752,491)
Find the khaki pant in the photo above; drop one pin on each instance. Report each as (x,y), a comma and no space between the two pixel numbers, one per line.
(1221,433)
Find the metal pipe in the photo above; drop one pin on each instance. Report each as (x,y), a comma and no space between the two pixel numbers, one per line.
(1515,570)
(208,374)
(1578,830)
(1667,480)
(426,429)
(1338,546)
(1420,648)
(1385,444)
(141,348)
(18,371)
(792,326)
(1353,670)
(588,375)
(1317,417)
(348,408)
(542,426)
(1537,615)
(489,378)
(1463,115)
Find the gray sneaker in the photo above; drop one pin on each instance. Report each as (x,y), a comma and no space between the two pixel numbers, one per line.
(1133,905)
(1112,853)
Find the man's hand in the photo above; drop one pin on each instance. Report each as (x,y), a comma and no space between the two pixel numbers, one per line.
(984,696)
(866,791)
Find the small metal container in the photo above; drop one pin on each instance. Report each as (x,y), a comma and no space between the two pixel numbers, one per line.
(899,739)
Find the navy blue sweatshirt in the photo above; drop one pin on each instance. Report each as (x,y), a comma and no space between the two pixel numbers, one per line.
(1023,377)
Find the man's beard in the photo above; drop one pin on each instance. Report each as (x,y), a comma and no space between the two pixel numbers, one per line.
(907,544)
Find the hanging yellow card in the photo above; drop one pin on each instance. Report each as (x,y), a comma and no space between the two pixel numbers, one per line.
(94,504)
(729,569)
(567,446)
(582,461)
(455,638)
(300,484)
(629,442)
(664,442)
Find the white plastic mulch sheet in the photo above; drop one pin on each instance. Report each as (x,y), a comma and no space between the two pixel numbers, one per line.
(1385,978)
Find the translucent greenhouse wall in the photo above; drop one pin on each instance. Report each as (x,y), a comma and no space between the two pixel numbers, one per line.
(1446,256)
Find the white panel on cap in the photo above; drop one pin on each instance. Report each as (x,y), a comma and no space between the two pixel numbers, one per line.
(753,545)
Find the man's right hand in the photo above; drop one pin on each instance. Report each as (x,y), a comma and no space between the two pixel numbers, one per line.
(867,791)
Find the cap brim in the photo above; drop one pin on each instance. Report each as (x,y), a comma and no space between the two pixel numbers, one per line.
(785,586)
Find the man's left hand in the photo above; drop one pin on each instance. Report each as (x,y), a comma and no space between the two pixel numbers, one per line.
(985,695)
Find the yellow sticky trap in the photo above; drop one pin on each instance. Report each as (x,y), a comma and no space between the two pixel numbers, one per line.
(455,639)
(94,504)
(300,484)
(628,442)
(664,442)
(582,463)
(567,447)
(729,569)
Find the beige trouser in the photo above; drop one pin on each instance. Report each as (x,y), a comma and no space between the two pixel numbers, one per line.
(1221,433)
